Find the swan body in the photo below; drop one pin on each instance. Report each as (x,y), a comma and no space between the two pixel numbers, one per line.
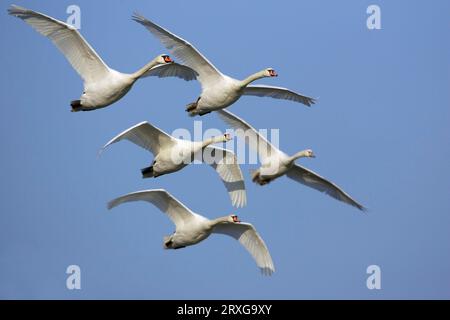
(218,90)
(102,85)
(218,96)
(172,154)
(275,163)
(105,91)
(192,228)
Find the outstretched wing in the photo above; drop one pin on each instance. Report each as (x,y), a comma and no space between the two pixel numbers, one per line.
(144,135)
(172,70)
(69,41)
(246,234)
(226,165)
(163,200)
(313,180)
(252,137)
(183,50)
(277,93)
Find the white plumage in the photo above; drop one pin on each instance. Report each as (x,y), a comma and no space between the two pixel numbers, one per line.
(218,90)
(191,228)
(172,154)
(102,85)
(275,163)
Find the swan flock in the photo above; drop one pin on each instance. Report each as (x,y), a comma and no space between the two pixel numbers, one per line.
(103,86)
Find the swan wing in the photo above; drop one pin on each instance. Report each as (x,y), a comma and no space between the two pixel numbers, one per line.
(183,50)
(277,93)
(252,137)
(144,135)
(68,40)
(163,200)
(313,180)
(172,70)
(247,235)
(226,165)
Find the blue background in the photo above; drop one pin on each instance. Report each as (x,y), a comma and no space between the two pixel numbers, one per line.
(380,130)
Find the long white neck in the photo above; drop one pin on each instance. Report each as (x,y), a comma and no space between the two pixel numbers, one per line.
(253,77)
(144,69)
(212,140)
(298,155)
(219,220)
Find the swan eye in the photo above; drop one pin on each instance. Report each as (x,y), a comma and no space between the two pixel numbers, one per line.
(167,59)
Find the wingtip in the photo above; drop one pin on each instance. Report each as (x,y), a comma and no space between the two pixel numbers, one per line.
(310,102)
(267,271)
(136,16)
(15,10)
(110,205)
(364,209)
(100,151)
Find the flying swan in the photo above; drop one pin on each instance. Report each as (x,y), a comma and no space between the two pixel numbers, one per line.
(275,163)
(102,85)
(218,90)
(172,154)
(192,228)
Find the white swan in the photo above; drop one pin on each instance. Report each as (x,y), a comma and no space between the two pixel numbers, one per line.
(275,163)
(172,154)
(102,85)
(218,90)
(191,228)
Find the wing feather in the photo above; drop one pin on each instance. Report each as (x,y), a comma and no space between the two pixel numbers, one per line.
(183,50)
(163,200)
(313,180)
(144,135)
(172,70)
(278,93)
(68,40)
(226,165)
(249,238)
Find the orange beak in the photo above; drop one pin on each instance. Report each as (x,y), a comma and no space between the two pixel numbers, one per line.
(167,59)
(273,73)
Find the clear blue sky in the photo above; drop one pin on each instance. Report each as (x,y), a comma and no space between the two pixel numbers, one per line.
(380,130)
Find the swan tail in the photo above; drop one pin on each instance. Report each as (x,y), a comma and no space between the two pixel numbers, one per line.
(76,105)
(167,242)
(148,172)
(191,106)
(194,113)
(256,178)
(254,174)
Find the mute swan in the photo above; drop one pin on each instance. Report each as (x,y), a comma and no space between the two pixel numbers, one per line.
(171,155)
(102,85)
(191,228)
(218,90)
(275,163)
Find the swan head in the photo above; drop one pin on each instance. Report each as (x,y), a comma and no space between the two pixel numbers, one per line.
(226,137)
(164,59)
(309,153)
(270,72)
(234,218)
